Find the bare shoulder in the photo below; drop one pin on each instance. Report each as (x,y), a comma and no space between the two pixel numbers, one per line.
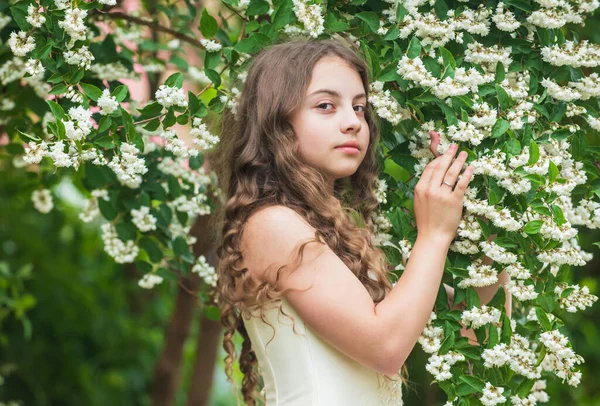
(271,238)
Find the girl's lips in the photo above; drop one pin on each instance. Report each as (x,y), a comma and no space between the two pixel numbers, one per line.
(348,150)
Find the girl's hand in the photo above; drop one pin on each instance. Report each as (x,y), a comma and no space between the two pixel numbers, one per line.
(438,194)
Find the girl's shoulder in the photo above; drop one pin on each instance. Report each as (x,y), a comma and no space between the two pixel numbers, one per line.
(271,237)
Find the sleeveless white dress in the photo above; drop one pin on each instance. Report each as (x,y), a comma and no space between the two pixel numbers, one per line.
(301,369)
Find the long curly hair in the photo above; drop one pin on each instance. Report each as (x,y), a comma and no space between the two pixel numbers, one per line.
(258,165)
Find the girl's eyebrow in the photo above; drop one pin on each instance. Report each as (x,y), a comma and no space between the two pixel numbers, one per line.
(333,93)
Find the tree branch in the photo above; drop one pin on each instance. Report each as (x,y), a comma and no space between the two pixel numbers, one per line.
(117,15)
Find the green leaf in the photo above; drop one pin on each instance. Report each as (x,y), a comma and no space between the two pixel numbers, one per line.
(414,48)
(472,298)
(533,227)
(213,76)
(182,250)
(552,172)
(447,57)
(558,215)
(284,15)
(152,124)
(91,91)
(27,138)
(503,98)
(107,209)
(441,9)
(151,109)
(175,80)
(58,89)
(152,249)
(500,72)
(506,333)
(500,127)
(543,319)
(196,162)
(493,338)
(126,231)
(19,14)
(534,153)
(120,93)
(371,18)
(447,343)
(212,313)
(57,109)
(558,112)
(257,8)
(208,24)
(477,383)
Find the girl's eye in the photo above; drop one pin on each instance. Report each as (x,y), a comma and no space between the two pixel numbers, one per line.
(362,107)
(324,104)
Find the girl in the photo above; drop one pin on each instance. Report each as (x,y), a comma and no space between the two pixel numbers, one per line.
(299,278)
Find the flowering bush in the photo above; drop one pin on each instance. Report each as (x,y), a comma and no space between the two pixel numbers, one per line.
(510,82)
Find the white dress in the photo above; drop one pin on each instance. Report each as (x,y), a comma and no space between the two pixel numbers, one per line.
(301,369)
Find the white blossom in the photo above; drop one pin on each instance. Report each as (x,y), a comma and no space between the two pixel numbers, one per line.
(311,17)
(386,106)
(20,43)
(122,252)
(205,271)
(73,24)
(492,395)
(142,219)
(107,103)
(203,138)
(211,46)
(82,57)
(150,280)
(42,200)
(128,167)
(170,96)
(34,16)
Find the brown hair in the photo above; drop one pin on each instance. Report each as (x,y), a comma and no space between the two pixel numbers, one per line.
(258,165)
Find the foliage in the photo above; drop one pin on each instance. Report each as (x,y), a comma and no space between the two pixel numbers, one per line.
(511,82)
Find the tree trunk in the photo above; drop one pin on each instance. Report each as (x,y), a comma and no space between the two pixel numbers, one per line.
(166,379)
(167,370)
(204,365)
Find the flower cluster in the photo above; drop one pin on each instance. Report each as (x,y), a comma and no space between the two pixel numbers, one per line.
(108,104)
(170,96)
(142,219)
(518,356)
(479,275)
(386,106)
(477,317)
(128,167)
(205,271)
(42,200)
(311,16)
(202,137)
(150,280)
(122,252)
(20,43)
(574,297)
(439,365)
(560,358)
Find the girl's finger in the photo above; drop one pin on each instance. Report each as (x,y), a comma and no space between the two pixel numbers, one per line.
(435,141)
(437,177)
(463,182)
(454,170)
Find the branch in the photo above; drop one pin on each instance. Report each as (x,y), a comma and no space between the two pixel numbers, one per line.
(117,15)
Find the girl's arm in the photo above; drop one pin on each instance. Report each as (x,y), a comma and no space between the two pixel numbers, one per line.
(333,302)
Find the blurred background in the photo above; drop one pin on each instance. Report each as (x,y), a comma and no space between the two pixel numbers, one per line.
(76,329)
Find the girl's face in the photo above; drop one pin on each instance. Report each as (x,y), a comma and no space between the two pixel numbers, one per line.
(332,114)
